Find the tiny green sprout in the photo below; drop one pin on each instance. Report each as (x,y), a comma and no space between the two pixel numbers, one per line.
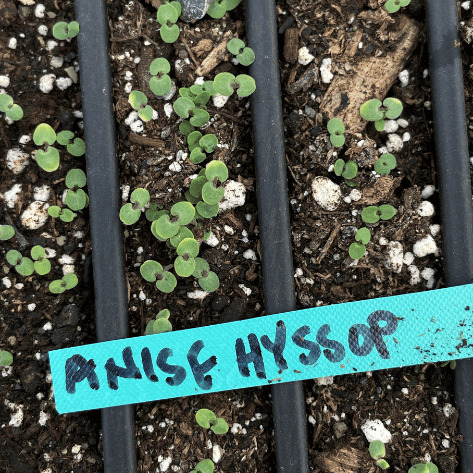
(195,188)
(187,250)
(76,200)
(76,178)
(160,83)
(76,147)
(186,128)
(225,83)
(65,215)
(41,264)
(159,325)
(336,128)
(424,468)
(207,210)
(374,112)
(358,249)
(68,281)
(63,30)
(12,110)
(6,358)
(167,17)
(152,271)
(205,466)
(184,107)
(197,155)
(23,266)
(154,212)
(183,232)
(392,6)
(130,213)
(138,101)
(216,172)
(193,139)
(217,9)
(208,280)
(348,170)
(48,159)
(207,419)
(6,232)
(245,55)
(372,213)
(385,164)
(166,226)
(452,363)
(377,452)
(208,142)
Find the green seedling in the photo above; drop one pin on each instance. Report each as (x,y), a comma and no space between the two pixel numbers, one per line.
(188,249)
(372,213)
(424,468)
(69,281)
(154,212)
(152,271)
(184,107)
(76,199)
(347,170)
(208,420)
(41,264)
(245,55)
(452,363)
(130,213)
(186,128)
(167,226)
(195,189)
(47,158)
(6,232)
(6,358)
(159,325)
(12,110)
(183,233)
(220,7)
(193,139)
(375,111)
(205,466)
(63,30)
(207,143)
(377,452)
(336,128)
(206,210)
(160,83)
(216,173)
(226,83)
(392,6)
(23,266)
(358,249)
(138,101)
(167,16)
(208,280)
(65,215)
(385,164)
(76,147)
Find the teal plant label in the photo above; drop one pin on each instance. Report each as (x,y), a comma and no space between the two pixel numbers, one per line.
(338,339)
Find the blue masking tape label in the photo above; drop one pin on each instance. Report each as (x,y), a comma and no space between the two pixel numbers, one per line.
(331,340)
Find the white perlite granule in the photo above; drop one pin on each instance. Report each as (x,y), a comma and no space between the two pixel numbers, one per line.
(326,193)
(46,83)
(325,69)
(17,160)
(304,57)
(425,247)
(375,430)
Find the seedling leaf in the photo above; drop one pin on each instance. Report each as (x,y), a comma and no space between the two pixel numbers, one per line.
(128,215)
(387,211)
(394,106)
(208,142)
(212,195)
(385,164)
(220,427)
(149,269)
(44,134)
(13,256)
(76,178)
(6,232)
(377,449)
(216,169)
(168,283)
(197,156)
(204,416)
(419,468)
(76,200)
(392,6)
(363,235)
(189,247)
(383,464)
(182,106)
(48,160)
(247,85)
(6,358)
(207,210)
(184,267)
(370,214)
(161,326)
(185,211)
(370,110)
(357,250)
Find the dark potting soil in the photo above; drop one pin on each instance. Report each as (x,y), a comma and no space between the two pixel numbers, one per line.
(410,402)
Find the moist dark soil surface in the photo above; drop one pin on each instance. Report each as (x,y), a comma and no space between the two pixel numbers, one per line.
(413,403)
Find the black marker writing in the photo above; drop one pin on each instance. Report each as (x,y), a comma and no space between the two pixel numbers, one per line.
(254,356)
(199,369)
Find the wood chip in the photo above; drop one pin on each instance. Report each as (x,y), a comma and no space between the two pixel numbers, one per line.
(145,141)
(371,76)
(291,45)
(217,55)
(345,460)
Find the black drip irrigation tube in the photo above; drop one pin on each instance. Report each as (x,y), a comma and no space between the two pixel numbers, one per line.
(451,142)
(118,423)
(290,423)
